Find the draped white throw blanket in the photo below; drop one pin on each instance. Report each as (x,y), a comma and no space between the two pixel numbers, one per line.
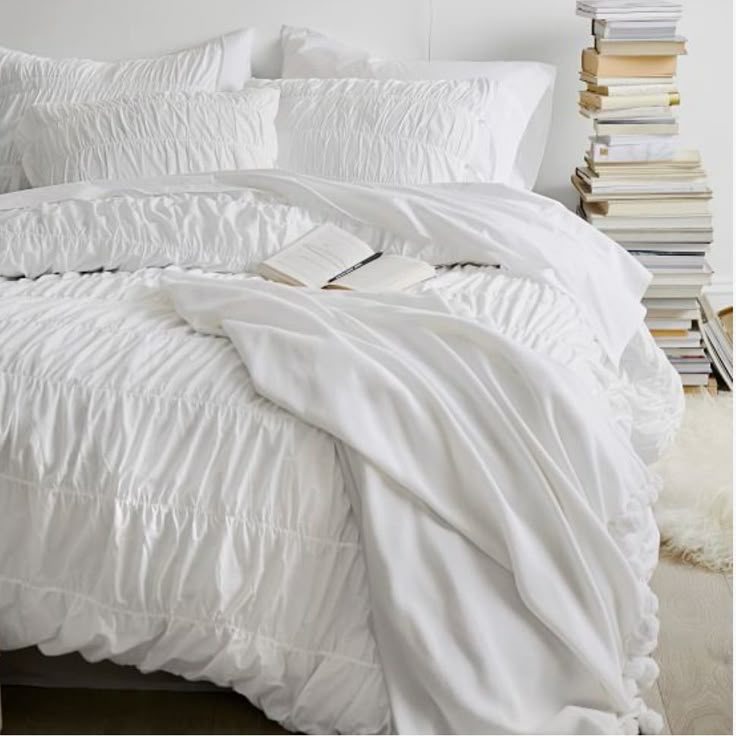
(499,505)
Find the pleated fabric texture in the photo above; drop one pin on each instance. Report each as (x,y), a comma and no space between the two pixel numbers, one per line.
(175,520)
(386,131)
(156,511)
(149,135)
(27,79)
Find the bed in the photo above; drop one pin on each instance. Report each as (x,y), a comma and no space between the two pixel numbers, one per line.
(418,512)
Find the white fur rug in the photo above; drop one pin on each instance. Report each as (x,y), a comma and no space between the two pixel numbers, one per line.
(695,507)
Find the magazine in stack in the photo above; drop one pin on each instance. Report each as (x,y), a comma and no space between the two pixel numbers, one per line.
(638,184)
(716,326)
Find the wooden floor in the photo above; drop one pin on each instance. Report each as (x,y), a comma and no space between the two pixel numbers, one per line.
(695,653)
(694,692)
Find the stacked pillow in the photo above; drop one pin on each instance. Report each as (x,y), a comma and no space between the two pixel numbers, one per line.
(26,80)
(519,111)
(339,113)
(386,131)
(149,135)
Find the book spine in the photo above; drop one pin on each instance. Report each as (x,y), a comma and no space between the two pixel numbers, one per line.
(602,102)
(627,66)
(632,90)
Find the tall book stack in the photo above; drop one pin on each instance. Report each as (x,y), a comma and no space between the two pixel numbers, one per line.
(638,185)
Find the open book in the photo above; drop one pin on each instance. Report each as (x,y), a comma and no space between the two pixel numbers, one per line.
(328,257)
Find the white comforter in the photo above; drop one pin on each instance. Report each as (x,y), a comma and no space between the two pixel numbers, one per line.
(156,509)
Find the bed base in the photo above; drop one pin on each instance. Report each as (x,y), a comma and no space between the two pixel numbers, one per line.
(31,668)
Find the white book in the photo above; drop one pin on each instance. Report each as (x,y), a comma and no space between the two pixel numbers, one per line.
(630,10)
(639,127)
(607,222)
(696,379)
(623,82)
(632,90)
(654,29)
(674,277)
(616,141)
(660,236)
(670,247)
(651,208)
(655,323)
(668,291)
(329,257)
(691,340)
(685,367)
(642,186)
(684,353)
(669,260)
(664,150)
(690,315)
(630,16)
(611,192)
(675,304)
(670,169)
(722,361)
(630,114)
(714,321)
(720,341)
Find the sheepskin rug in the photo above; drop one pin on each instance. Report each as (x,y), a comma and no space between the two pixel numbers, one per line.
(695,506)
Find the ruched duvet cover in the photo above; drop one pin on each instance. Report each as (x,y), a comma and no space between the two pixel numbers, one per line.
(162,505)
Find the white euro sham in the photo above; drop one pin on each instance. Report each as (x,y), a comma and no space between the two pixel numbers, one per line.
(27,79)
(385,131)
(521,108)
(149,135)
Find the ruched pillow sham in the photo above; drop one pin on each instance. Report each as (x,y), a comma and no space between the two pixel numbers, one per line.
(522,105)
(149,135)
(26,79)
(385,131)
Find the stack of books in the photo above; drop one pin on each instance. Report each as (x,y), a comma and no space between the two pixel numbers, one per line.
(638,185)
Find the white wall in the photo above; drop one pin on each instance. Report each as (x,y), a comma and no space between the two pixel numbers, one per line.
(547,30)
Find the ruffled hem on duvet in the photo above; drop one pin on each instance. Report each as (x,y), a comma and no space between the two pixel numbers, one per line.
(636,535)
(190,654)
(646,400)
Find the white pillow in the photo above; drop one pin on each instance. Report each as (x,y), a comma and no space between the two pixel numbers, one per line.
(25,80)
(385,131)
(522,104)
(149,135)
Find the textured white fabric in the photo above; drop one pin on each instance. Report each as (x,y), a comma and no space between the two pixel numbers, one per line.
(150,223)
(521,108)
(26,79)
(155,510)
(149,135)
(476,500)
(386,131)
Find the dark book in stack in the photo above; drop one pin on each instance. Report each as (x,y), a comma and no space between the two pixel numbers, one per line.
(638,185)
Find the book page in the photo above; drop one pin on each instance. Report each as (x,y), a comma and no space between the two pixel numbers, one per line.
(387,273)
(316,257)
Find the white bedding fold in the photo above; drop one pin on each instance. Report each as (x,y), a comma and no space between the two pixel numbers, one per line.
(489,428)
(504,516)
(133,225)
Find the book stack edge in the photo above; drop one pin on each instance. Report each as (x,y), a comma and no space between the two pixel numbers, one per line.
(716,327)
(637,184)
